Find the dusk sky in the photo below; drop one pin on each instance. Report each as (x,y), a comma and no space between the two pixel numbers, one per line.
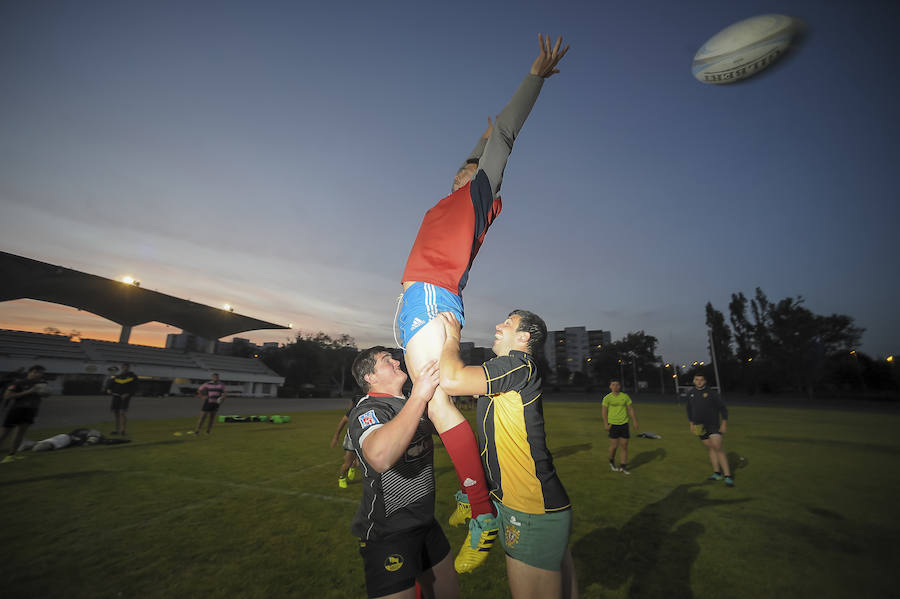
(279,156)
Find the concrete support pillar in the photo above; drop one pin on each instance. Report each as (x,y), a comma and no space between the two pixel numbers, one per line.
(125,334)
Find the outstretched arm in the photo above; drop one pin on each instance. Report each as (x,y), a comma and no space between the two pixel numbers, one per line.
(510,120)
(478,150)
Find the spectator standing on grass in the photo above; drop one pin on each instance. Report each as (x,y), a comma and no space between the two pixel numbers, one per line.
(26,395)
(122,387)
(213,393)
(348,468)
(704,408)
(616,410)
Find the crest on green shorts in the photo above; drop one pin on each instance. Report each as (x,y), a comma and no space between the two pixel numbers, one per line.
(512,535)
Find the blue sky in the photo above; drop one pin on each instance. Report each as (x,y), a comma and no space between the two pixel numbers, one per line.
(279,157)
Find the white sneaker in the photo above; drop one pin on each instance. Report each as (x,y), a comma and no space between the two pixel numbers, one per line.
(613,467)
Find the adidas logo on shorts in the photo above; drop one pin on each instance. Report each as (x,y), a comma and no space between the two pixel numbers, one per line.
(416,323)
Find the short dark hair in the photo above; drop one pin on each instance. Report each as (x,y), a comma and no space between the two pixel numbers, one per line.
(126,364)
(37,367)
(534,325)
(364,364)
(611,381)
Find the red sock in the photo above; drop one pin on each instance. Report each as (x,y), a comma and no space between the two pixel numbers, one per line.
(463,449)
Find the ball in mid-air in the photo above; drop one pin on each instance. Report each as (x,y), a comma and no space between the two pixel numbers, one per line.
(745,48)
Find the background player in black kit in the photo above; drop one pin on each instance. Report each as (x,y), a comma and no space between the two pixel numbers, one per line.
(704,407)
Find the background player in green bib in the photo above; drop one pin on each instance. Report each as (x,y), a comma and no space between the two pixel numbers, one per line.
(616,410)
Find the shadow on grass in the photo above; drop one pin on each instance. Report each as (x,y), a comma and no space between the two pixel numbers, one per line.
(570,450)
(137,445)
(60,476)
(645,457)
(843,443)
(268,430)
(737,461)
(649,550)
(818,511)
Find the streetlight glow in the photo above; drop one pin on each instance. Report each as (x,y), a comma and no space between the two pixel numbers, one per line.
(890,358)
(128,280)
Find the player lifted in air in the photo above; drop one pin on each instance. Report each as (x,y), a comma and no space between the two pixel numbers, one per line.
(436,272)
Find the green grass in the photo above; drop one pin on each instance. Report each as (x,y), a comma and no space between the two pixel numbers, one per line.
(255,511)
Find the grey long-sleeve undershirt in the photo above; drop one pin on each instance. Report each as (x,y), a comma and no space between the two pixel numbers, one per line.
(492,153)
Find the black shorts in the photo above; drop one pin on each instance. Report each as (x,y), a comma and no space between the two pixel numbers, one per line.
(210,406)
(119,403)
(619,431)
(19,416)
(392,563)
(709,429)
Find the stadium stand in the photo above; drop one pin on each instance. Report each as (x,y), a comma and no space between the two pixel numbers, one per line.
(81,368)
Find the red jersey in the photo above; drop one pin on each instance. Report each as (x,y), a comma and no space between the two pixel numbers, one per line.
(451,235)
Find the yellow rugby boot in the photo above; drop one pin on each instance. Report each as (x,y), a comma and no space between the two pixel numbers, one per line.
(462,512)
(483,531)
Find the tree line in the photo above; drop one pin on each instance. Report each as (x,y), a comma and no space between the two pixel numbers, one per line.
(314,365)
(770,346)
(763,346)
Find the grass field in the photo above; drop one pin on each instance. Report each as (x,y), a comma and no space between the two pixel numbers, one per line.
(254,510)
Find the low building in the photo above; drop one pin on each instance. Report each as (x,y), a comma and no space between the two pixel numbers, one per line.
(82,367)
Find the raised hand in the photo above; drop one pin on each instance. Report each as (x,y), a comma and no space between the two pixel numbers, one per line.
(545,64)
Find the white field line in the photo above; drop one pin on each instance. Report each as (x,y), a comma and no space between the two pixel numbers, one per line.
(237,487)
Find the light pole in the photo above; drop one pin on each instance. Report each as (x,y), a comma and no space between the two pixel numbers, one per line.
(634,371)
(712,350)
(862,382)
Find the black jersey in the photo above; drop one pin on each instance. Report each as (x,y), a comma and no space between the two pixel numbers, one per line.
(29,400)
(704,406)
(512,437)
(124,383)
(402,497)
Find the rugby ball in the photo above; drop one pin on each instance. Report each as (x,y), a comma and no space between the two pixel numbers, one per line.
(745,48)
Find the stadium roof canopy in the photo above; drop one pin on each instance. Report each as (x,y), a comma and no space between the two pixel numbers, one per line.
(127,305)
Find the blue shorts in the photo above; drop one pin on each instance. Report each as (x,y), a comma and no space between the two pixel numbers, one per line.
(421,303)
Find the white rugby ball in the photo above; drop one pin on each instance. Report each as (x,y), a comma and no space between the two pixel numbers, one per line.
(744,49)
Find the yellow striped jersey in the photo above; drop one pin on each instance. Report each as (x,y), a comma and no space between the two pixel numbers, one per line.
(514,451)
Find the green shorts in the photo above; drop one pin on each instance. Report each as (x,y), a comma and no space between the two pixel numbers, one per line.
(539,540)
